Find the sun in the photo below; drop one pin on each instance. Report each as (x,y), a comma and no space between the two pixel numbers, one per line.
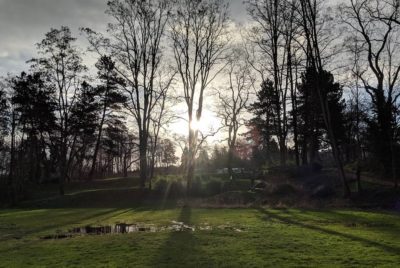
(197,125)
(208,122)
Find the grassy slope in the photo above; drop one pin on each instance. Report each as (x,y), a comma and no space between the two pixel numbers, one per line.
(272,237)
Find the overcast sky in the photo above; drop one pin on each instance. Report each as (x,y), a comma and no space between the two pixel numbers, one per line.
(23,23)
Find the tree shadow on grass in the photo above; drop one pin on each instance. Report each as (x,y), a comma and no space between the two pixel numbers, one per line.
(367,242)
(121,198)
(181,247)
(21,235)
(101,194)
(381,221)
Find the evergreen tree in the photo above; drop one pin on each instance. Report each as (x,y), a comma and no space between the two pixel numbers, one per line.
(109,98)
(266,122)
(312,128)
(4,113)
(168,153)
(34,106)
(84,115)
(4,123)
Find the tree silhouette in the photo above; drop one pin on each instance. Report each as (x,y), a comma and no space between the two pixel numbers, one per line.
(61,64)
(198,33)
(135,44)
(110,100)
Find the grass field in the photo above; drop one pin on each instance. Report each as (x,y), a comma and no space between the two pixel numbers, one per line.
(268,237)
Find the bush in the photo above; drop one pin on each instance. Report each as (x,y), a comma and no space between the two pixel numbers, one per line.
(213,187)
(176,189)
(169,187)
(284,190)
(160,186)
(196,189)
(235,198)
(306,170)
(202,186)
(323,191)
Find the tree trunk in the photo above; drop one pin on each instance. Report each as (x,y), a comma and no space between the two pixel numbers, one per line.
(143,160)
(295,134)
(358,177)
(11,173)
(152,167)
(191,160)
(335,150)
(126,157)
(63,169)
(97,146)
(304,151)
(230,160)
(282,147)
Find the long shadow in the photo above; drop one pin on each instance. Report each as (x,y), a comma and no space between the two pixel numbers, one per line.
(53,226)
(348,216)
(56,224)
(108,193)
(94,198)
(379,223)
(364,241)
(122,198)
(180,248)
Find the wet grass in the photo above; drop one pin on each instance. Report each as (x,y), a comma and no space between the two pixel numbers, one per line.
(272,237)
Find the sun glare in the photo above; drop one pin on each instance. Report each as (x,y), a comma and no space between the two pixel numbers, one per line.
(196,125)
(207,123)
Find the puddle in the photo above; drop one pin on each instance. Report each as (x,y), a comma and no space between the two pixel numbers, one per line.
(124,228)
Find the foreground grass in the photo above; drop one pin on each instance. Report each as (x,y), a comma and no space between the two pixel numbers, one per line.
(272,238)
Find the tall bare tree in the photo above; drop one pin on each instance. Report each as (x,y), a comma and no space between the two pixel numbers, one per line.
(274,58)
(61,62)
(198,33)
(135,45)
(376,25)
(161,118)
(234,98)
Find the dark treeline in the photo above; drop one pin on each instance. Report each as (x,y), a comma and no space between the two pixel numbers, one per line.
(308,84)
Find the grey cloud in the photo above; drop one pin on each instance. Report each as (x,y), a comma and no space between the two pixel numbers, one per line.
(24,23)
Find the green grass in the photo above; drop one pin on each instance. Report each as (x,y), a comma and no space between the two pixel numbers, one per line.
(272,238)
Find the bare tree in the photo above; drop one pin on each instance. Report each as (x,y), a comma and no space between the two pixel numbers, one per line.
(198,33)
(61,62)
(234,98)
(161,118)
(356,105)
(274,58)
(292,33)
(135,45)
(376,25)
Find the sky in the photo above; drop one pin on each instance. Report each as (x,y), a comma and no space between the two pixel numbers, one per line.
(23,23)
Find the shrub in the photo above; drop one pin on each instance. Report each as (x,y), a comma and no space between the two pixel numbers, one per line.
(323,191)
(196,189)
(233,198)
(176,189)
(284,190)
(213,187)
(160,186)
(170,187)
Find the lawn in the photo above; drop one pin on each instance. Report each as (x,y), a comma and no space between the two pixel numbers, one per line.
(258,238)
